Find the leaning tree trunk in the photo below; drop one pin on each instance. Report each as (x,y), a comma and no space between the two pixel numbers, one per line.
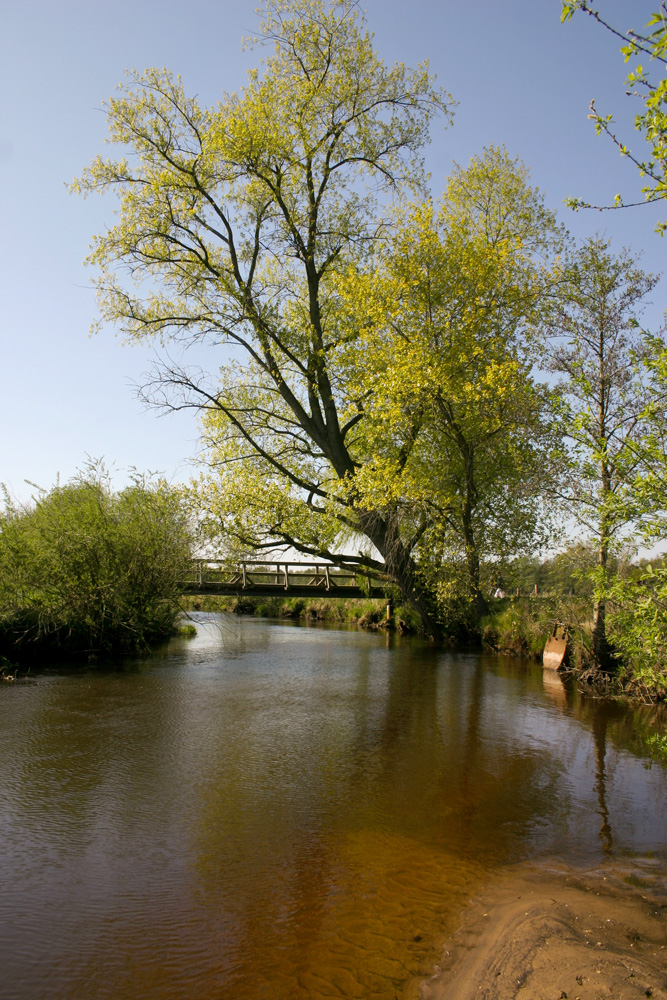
(383,533)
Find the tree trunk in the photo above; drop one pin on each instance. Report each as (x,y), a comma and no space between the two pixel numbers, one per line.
(602,650)
(383,533)
(479,604)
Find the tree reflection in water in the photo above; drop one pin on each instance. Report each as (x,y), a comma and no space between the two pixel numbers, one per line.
(290,812)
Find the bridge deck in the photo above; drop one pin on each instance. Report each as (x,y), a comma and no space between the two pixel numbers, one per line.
(321,580)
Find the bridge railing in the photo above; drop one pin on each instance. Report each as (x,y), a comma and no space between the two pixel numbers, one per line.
(280,574)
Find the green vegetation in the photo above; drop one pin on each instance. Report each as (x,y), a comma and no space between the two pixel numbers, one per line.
(601,358)
(567,592)
(651,121)
(188,631)
(656,744)
(540,593)
(365,613)
(86,570)
(638,628)
(443,387)
(443,359)
(522,625)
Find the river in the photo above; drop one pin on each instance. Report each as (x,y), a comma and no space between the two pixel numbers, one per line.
(287,812)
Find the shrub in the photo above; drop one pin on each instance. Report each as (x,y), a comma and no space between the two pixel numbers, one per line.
(87,569)
(638,627)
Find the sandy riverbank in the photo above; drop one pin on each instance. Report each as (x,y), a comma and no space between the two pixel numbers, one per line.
(560,935)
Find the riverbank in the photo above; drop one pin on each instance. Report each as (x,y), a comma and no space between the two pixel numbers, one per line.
(514,627)
(556,934)
(370,614)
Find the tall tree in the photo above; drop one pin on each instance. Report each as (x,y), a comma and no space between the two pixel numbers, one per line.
(638,627)
(600,354)
(649,84)
(234,222)
(447,358)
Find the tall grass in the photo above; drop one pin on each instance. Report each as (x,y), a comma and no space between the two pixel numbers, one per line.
(522,625)
(365,612)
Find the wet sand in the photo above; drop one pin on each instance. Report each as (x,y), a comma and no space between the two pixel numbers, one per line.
(559,934)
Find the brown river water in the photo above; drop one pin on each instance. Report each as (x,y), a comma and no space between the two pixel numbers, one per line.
(286,812)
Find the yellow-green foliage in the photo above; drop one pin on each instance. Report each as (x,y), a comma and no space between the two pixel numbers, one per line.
(457,429)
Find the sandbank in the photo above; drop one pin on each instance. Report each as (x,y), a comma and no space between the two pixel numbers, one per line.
(555,933)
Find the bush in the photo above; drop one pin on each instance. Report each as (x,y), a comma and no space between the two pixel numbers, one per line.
(86,569)
(637,625)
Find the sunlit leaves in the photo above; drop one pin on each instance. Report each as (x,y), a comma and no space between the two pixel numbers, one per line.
(651,122)
(445,360)
(89,569)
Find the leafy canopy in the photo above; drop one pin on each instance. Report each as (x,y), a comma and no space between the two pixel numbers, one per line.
(234,224)
(457,426)
(602,360)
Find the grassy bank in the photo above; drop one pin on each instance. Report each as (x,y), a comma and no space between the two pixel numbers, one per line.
(365,613)
(520,626)
(515,626)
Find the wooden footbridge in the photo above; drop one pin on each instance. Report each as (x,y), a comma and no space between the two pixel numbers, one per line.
(291,579)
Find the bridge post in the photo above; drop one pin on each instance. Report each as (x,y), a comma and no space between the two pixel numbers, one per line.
(244,576)
(326,574)
(286,577)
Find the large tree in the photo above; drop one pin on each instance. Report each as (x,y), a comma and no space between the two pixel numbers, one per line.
(234,225)
(446,356)
(603,362)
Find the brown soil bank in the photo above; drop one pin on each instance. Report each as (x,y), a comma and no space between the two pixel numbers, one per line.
(560,936)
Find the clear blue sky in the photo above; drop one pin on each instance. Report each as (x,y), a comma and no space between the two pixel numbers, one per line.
(520,79)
